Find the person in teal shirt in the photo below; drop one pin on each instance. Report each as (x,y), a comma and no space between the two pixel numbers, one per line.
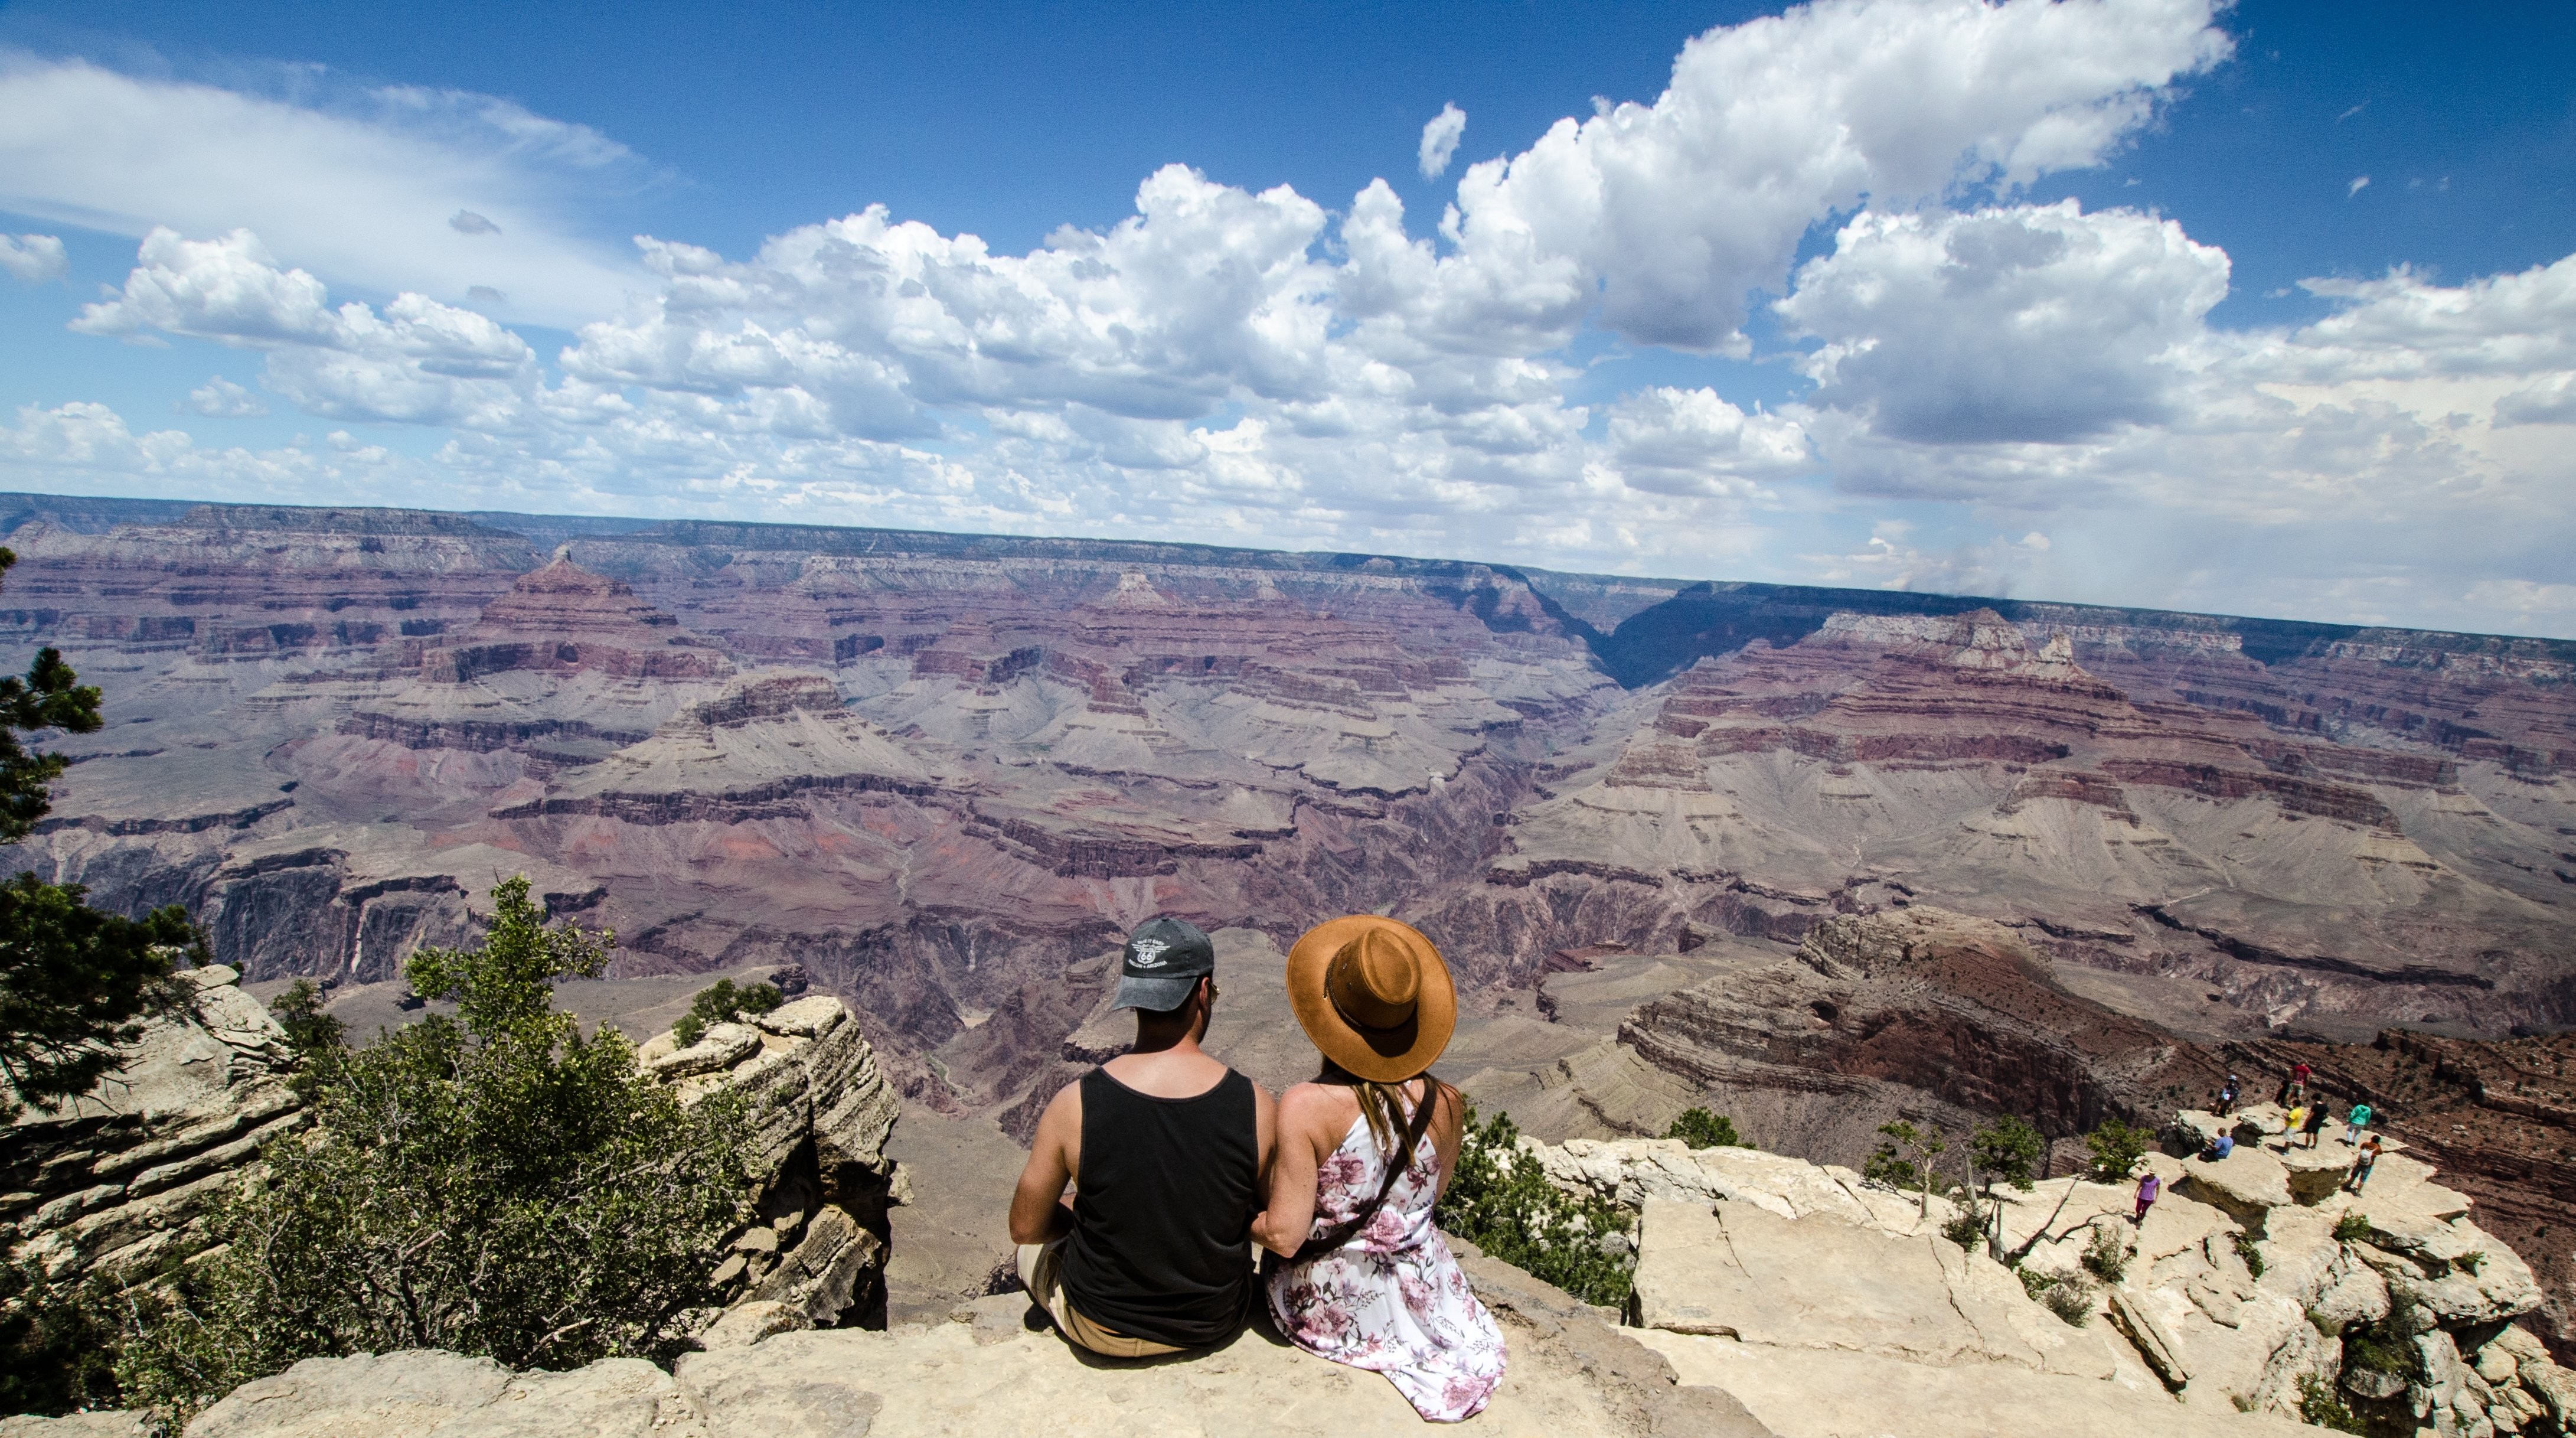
(2355,1123)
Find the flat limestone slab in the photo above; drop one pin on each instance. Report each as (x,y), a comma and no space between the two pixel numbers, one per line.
(1865,1395)
(1741,1271)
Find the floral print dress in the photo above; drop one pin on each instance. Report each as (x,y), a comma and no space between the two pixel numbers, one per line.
(1393,1299)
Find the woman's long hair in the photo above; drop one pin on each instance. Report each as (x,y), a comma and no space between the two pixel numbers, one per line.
(1382,1104)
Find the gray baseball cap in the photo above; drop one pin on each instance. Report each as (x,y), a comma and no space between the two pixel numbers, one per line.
(1163,962)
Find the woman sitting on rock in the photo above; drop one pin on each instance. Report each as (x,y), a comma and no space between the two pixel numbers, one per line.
(1364,1152)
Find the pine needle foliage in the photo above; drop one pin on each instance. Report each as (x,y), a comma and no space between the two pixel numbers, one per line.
(1499,1199)
(490,1184)
(57,1341)
(721,1003)
(2116,1149)
(1700,1128)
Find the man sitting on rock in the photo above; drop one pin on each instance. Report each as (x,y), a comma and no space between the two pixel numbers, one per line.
(1168,1152)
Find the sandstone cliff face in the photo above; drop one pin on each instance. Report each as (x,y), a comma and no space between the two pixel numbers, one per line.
(119,1181)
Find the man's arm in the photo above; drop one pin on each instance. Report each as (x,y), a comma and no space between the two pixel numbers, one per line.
(1282,1227)
(1037,1209)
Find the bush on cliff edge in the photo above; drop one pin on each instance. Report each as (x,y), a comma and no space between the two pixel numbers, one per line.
(489,1184)
(1499,1199)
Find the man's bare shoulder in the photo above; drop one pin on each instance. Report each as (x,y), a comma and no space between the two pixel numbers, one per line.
(1064,1108)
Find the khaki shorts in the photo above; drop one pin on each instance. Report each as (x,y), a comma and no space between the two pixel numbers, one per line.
(1041,1265)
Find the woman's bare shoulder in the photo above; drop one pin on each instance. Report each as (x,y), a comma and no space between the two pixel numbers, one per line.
(1318,1106)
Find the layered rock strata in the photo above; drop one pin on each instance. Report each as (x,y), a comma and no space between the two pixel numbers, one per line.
(1913,1012)
(119,1181)
(819,1113)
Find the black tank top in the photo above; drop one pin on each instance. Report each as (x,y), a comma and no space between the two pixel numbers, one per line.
(1162,1211)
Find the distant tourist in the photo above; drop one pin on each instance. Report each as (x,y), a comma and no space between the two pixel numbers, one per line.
(2291,1124)
(1364,1152)
(1165,1148)
(2299,1075)
(2362,1164)
(2219,1147)
(2148,1188)
(2227,1093)
(2355,1122)
(2316,1123)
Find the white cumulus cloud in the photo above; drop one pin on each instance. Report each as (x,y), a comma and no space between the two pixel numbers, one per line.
(2031,323)
(1440,140)
(220,398)
(1672,212)
(33,258)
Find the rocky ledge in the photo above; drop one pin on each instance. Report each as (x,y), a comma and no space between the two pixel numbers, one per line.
(985,1371)
(1829,1305)
(119,1179)
(819,1112)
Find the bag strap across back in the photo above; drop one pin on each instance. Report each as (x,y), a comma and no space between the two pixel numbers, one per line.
(1342,1233)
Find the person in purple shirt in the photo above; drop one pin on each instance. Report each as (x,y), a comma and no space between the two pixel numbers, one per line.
(2147,1190)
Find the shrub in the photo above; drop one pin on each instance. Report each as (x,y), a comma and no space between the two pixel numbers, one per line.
(2250,1251)
(2319,1407)
(2379,1347)
(1968,1231)
(57,1343)
(2353,1227)
(316,1037)
(1499,1199)
(2106,1254)
(2116,1150)
(492,1184)
(1701,1129)
(721,1003)
(2069,1297)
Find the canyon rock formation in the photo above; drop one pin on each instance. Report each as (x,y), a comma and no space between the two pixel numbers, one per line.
(941,773)
(119,1180)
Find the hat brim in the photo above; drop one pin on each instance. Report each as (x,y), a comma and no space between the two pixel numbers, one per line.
(1378,1055)
(1155,995)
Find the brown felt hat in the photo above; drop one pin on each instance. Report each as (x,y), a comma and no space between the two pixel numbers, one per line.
(1374,996)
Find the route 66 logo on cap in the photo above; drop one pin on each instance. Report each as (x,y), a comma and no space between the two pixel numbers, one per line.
(1163,961)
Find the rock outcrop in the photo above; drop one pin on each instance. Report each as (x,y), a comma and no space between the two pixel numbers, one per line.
(119,1180)
(819,1112)
(1913,1011)
(1826,1303)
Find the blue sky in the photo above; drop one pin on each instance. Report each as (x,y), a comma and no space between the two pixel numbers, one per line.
(1705,339)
